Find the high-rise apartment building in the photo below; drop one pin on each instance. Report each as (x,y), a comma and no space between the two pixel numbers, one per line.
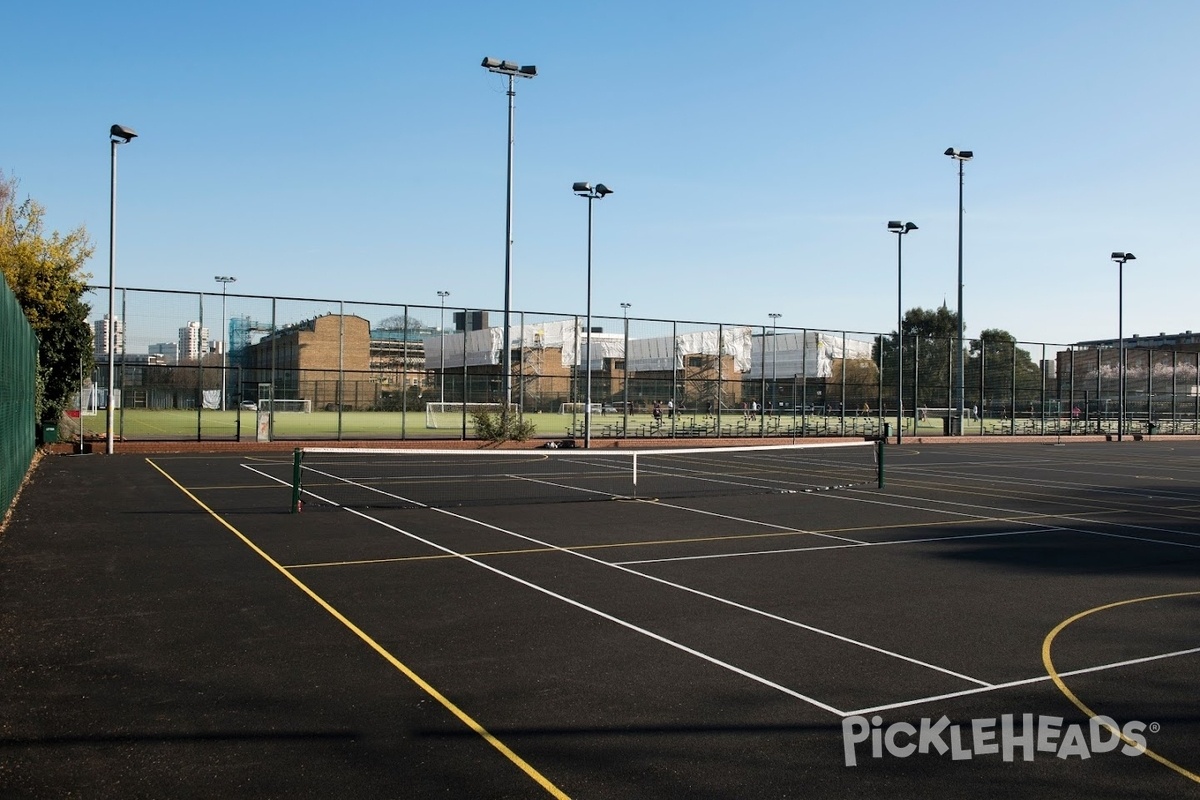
(100,332)
(193,342)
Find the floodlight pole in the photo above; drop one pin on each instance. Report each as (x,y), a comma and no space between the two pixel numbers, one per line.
(625,359)
(442,352)
(584,189)
(224,280)
(117,134)
(901,229)
(511,71)
(960,156)
(774,362)
(1121,258)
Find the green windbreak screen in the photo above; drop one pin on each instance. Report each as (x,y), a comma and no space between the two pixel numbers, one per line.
(18,364)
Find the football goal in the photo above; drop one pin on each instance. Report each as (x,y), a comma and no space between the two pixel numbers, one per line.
(451,413)
(578,408)
(280,406)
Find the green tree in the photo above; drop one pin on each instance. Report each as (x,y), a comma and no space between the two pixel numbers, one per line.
(46,275)
(929,340)
(1001,374)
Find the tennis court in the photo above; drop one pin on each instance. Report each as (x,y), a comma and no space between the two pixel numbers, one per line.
(793,630)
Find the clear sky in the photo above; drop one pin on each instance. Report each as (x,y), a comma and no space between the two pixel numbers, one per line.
(356,151)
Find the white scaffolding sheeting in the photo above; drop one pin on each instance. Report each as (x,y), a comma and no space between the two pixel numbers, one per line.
(794,353)
(807,354)
(664,353)
(484,347)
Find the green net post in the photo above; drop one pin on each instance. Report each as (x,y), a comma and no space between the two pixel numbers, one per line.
(880,444)
(296,456)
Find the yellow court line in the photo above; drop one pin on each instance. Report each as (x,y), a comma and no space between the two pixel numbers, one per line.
(1062,687)
(467,720)
(733,537)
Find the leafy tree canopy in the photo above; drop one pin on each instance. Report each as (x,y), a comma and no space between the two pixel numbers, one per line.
(45,272)
(400,322)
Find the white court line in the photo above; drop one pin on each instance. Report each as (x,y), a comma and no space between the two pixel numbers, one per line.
(569,601)
(716,598)
(786,528)
(1070,517)
(985,685)
(707,513)
(940,471)
(834,547)
(1025,682)
(706,595)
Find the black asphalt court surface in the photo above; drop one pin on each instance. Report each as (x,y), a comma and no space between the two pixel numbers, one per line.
(998,620)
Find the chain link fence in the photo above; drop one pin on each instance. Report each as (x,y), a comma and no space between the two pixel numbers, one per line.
(214,366)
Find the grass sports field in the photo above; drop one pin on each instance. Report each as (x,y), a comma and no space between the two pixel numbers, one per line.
(139,424)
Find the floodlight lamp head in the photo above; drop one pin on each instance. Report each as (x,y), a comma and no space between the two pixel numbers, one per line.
(121,132)
(581,187)
(908,226)
(602,190)
(895,225)
(1123,257)
(528,71)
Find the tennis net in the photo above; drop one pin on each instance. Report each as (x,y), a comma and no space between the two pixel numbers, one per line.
(406,478)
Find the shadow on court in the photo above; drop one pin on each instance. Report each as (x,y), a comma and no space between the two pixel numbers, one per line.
(168,629)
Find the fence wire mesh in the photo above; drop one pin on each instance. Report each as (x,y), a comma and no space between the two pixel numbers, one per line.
(214,366)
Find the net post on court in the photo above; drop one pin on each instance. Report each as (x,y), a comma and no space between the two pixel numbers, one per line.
(297,457)
(425,478)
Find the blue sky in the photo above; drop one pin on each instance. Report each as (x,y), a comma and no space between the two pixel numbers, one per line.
(756,150)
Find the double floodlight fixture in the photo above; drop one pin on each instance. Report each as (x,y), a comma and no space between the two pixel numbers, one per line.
(121,132)
(584,189)
(509,68)
(1123,257)
(960,155)
(896,226)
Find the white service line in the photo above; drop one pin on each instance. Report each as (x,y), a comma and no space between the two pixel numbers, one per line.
(834,547)
(569,601)
(699,593)
(1025,682)
(716,598)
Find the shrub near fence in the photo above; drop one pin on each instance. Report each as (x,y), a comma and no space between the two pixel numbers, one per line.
(18,368)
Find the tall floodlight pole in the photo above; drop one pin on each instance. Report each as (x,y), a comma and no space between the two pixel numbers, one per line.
(900,229)
(442,352)
(585,190)
(960,156)
(1121,258)
(117,134)
(774,353)
(224,280)
(511,71)
(625,360)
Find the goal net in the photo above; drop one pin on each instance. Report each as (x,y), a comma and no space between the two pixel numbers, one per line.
(578,408)
(279,406)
